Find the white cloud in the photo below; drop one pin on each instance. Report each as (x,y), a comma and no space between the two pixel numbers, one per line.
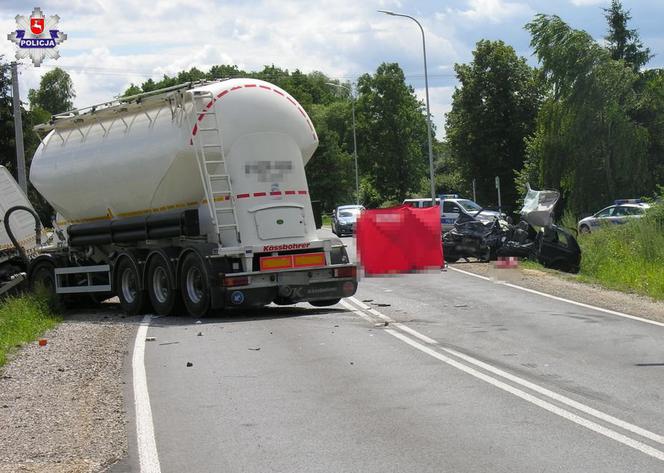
(585,3)
(494,11)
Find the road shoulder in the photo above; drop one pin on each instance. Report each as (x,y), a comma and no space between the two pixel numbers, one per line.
(62,405)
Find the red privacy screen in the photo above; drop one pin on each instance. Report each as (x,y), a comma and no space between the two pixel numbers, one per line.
(399,240)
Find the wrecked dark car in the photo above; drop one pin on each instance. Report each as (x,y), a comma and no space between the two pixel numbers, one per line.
(535,237)
(472,238)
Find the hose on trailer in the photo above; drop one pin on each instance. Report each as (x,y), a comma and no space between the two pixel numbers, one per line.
(8,229)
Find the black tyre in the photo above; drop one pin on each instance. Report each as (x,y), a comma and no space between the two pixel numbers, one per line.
(133,299)
(160,284)
(194,285)
(42,281)
(324,303)
(585,229)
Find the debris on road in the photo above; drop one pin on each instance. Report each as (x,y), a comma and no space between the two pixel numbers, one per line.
(150,339)
(189,364)
(199,334)
(254,349)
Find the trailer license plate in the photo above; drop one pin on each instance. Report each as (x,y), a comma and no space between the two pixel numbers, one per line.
(294,279)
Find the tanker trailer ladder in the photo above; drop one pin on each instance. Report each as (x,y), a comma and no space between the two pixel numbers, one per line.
(209,152)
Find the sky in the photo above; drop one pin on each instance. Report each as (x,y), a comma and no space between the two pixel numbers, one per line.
(113,43)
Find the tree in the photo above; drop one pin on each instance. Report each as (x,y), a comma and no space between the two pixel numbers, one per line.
(30,138)
(493,111)
(392,135)
(330,171)
(624,43)
(55,93)
(587,142)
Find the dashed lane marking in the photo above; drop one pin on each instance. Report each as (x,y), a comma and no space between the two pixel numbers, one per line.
(458,362)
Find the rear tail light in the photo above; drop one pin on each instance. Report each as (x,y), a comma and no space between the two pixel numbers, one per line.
(231,281)
(346,272)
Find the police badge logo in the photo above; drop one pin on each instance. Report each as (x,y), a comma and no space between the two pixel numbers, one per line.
(37,37)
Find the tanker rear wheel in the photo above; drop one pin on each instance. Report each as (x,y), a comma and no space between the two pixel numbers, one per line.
(194,285)
(133,299)
(324,303)
(161,286)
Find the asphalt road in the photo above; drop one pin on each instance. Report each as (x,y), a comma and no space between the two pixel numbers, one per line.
(467,376)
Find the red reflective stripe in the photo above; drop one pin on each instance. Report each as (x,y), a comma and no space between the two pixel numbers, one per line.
(224,92)
(260,194)
(289,192)
(302,192)
(275,193)
(242,196)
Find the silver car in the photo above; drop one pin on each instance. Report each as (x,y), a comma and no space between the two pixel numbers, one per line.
(344,218)
(621,212)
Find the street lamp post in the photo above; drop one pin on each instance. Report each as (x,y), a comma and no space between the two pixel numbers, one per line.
(426,88)
(357,175)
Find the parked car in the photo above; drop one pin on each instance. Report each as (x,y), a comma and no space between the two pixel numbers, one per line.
(344,218)
(621,212)
(454,207)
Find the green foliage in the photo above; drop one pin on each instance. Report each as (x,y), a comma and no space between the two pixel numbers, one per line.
(493,111)
(330,172)
(624,43)
(448,173)
(30,118)
(586,142)
(628,257)
(55,93)
(22,319)
(391,133)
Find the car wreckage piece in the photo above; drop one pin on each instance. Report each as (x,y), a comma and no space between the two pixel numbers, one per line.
(535,237)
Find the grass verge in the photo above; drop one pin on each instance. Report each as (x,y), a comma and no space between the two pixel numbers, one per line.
(628,257)
(22,319)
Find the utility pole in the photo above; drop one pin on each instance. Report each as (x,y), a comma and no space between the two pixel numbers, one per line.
(500,207)
(474,196)
(18,132)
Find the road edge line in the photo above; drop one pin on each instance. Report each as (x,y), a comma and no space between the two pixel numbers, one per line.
(147,445)
(541,403)
(562,299)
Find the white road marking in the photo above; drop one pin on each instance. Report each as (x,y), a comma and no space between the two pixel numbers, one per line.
(562,299)
(356,312)
(414,333)
(147,446)
(527,384)
(612,434)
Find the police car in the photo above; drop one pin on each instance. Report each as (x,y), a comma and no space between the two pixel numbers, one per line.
(453,207)
(620,212)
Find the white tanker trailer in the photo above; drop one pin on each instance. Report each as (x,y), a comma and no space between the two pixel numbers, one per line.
(196,193)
